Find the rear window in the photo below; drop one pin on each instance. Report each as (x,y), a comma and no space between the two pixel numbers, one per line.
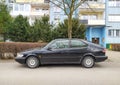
(92,44)
(77,44)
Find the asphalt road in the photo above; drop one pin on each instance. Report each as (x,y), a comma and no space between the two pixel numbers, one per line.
(104,73)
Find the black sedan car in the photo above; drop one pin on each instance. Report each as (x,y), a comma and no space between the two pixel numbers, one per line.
(63,51)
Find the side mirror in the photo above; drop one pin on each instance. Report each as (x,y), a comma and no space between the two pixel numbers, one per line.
(49,48)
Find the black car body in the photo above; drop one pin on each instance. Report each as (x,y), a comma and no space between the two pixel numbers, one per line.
(63,51)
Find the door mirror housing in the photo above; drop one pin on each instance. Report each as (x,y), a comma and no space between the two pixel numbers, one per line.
(49,48)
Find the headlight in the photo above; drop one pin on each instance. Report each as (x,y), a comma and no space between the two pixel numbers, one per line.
(19,55)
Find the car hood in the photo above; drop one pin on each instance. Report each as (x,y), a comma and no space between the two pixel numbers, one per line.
(33,51)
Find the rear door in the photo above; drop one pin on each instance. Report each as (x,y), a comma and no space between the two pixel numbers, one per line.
(77,50)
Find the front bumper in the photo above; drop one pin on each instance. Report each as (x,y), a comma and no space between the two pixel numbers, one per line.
(100,58)
(20,60)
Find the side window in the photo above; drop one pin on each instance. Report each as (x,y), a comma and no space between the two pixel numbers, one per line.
(54,46)
(60,44)
(77,44)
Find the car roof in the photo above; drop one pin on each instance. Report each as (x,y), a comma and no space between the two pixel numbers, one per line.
(68,39)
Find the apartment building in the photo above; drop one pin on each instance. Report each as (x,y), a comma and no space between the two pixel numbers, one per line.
(29,8)
(92,14)
(112,22)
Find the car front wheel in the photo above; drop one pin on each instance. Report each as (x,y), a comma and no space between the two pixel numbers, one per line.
(88,62)
(32,62)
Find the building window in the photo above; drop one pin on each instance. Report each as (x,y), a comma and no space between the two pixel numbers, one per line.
(27,7)
(16,7)
(21,7)
(114,3)
(109,32)
(114,32)
(117,33)
(10,6)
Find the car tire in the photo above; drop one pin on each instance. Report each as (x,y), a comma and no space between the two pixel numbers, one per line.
(32,62)
(88,62)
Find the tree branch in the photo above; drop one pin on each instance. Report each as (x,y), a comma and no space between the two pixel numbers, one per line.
(68,3)
(65,8)
(58,5)
(79,3)
(90,7)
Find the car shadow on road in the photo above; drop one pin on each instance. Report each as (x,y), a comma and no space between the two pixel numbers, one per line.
(60,66)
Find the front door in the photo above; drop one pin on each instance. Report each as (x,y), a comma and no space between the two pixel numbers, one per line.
(95,40)
(57,54)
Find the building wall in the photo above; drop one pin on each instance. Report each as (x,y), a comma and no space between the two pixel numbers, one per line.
(112,22)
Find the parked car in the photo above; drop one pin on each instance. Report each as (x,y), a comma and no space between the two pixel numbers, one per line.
(64,51)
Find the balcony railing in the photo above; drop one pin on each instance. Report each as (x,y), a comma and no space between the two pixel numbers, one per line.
(39,13)
(93,22)
(93,6)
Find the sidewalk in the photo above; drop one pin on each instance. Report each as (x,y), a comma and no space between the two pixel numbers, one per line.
(113,56)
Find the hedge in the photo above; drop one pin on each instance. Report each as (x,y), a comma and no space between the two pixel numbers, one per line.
(10,49)
(115,47)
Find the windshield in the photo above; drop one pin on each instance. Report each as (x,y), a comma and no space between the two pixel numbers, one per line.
(45,47)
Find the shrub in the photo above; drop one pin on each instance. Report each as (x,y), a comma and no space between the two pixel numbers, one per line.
(115,47)
(14,48)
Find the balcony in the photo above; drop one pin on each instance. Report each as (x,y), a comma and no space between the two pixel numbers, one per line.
(97,7)
(40,5)
(93,22)
(29,1)
(16,13)
(39,13)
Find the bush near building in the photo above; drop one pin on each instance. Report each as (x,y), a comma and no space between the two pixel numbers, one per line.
(10,50)
(114,47)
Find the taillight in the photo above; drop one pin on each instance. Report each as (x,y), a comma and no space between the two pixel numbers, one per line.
(104,50)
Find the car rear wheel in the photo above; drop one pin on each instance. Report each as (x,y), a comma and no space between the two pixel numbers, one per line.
(32,62)
(88,62)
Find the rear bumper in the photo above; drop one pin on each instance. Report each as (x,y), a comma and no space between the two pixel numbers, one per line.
(20,60)
(100,58)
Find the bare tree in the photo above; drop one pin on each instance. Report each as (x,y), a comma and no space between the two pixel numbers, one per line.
(69,7)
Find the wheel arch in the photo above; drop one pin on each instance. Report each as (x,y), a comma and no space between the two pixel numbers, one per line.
(87,54)
(34,56)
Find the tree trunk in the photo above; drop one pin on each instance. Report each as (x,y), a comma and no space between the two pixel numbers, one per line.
(70,27)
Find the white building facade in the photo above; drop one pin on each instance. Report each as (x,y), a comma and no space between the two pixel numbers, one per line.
(28,8)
